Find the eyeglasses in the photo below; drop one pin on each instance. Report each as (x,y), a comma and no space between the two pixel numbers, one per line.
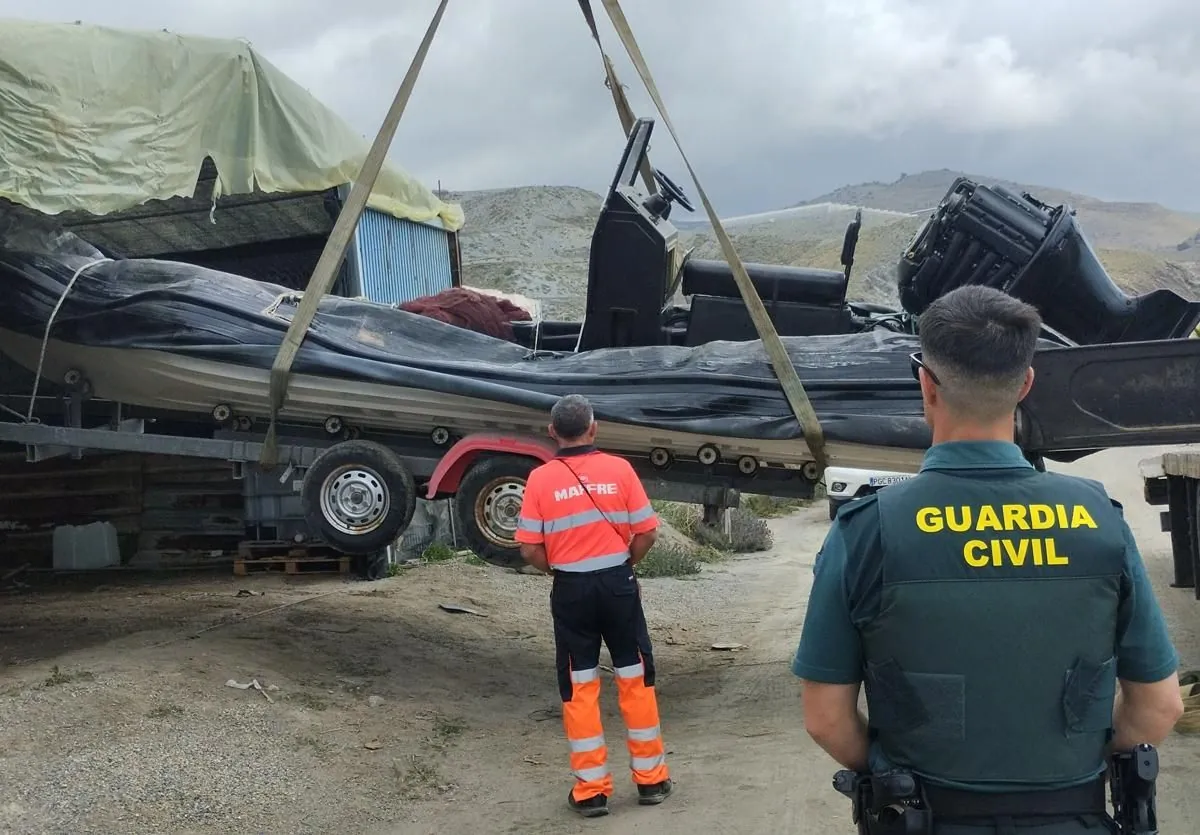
(918,364)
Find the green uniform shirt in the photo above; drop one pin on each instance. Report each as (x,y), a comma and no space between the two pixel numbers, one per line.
(849,581)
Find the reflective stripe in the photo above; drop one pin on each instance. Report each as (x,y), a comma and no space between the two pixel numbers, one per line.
(593,563)
(647,763)
(579,746)
(587,517)
(584,676)
(640,515)
(632,671)
(589,775)
(644,734)
(531,525)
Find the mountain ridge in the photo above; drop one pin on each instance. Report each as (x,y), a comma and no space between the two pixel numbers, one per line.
(1137,224)
(534,240)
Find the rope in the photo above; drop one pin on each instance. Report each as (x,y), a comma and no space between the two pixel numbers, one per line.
(46,336)
(789,381)
(624,110)
(338,242)
(17,414)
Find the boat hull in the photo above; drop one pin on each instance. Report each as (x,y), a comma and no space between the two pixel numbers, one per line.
(163,380)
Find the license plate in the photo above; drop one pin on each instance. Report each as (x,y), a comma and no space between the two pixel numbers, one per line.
(885,480)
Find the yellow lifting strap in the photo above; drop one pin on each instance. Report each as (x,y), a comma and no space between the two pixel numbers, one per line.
(624,111)
(793,389)
(339,241)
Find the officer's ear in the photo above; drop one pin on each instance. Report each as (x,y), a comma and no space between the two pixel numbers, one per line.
(929,392)
(1027,385)
(550,431)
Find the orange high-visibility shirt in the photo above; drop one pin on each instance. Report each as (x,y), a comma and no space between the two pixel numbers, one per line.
(565,510)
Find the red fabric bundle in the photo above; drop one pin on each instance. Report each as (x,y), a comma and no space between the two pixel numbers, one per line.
(470,309)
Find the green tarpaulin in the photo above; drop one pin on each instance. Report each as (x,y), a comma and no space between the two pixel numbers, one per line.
(101,120)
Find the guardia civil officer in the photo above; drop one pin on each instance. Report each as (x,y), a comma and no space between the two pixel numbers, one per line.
(585,517)
(989,608)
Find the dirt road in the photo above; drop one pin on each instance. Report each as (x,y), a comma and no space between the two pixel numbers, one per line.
(384,714)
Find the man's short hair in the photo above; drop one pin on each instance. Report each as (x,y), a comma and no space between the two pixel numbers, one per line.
(571,416)
(979,342)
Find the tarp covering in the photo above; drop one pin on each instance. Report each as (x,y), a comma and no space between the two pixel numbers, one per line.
(100,119)
(860,384)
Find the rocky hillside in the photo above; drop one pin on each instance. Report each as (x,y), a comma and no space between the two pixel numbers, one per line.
(534,240)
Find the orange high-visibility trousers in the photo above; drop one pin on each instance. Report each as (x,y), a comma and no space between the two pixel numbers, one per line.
(589,608)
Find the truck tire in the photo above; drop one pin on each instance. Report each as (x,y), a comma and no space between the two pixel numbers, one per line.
(488,506)
(358,496)
(373,566)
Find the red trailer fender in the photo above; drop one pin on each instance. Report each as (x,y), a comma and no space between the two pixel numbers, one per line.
(450,470)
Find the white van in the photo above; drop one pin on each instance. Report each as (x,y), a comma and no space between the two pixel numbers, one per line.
(845,483)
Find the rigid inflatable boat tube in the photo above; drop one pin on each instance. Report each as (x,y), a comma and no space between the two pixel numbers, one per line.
(861,384)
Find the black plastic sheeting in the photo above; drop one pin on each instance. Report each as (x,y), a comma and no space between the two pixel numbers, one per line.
(861,385)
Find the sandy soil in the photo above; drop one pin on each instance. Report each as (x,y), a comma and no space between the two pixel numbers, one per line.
(387,714)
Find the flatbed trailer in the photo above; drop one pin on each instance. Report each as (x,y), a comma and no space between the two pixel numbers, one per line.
(359,489)
(1172,479)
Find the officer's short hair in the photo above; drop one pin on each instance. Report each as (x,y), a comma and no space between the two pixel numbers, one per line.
(979,342)
(571,416)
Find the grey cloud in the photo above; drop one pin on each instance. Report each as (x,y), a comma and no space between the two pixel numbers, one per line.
(775,100)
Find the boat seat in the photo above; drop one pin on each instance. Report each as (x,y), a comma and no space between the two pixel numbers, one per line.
(801,285)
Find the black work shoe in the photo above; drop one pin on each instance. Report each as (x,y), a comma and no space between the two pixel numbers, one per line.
(594,807)
(654,794)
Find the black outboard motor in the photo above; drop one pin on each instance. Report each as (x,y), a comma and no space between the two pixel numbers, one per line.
(988,235)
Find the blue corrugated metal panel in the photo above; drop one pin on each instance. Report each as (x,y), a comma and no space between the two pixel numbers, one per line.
(400,260)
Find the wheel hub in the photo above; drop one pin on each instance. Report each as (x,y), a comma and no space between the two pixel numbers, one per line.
(354,500)
(499,511)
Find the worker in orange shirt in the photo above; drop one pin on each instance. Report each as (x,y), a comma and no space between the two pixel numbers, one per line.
(586,518)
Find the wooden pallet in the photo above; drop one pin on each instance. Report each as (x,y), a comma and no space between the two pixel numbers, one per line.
(289,558)
(260,549)
(292,565)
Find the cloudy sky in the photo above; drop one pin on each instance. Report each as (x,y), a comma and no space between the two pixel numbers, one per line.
(776,101)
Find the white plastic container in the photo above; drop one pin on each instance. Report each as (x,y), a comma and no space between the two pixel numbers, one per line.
(86,547)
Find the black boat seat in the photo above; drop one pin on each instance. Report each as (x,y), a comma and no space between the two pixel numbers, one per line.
(801,285)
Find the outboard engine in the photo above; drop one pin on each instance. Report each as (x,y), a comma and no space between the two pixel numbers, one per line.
(988,235)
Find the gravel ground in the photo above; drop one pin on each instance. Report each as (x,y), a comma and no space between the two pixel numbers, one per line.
(389,715)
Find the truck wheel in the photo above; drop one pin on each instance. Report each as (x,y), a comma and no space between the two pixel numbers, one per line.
(358,496)
(488,506)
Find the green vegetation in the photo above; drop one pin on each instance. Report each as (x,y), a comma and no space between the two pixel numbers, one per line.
(438,552)
(58,677)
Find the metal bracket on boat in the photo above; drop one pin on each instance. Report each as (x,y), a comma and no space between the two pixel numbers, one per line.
(272,309)
(43,452)
(78,390)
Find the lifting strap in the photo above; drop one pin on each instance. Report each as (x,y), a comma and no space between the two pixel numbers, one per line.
(624,111)
(789,380)
(339,241)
